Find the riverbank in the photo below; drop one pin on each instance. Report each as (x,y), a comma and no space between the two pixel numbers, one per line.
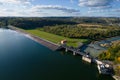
(44,42)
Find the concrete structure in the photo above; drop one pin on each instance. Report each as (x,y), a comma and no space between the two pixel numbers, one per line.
(71,49)
(87,58)
(105,69)
(98,62)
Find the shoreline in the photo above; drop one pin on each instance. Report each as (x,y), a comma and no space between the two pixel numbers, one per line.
(39,40)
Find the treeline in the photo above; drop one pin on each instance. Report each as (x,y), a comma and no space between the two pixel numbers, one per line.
(35,22)
(91,20)
(32,23)
(113,53)
(3,22)
(76,31)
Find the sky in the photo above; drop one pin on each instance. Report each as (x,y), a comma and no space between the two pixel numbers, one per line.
(60,8)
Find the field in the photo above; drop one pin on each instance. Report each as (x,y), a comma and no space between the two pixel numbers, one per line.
(55,38)
(89,25)
(93,27)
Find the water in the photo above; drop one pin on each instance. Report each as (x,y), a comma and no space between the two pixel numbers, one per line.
(23,59)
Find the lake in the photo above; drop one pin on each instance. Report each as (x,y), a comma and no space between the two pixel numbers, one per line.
(24,59)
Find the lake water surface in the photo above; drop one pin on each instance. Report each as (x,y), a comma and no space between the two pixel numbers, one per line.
(24,59)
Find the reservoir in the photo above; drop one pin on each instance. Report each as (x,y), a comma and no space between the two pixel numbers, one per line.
(24,59)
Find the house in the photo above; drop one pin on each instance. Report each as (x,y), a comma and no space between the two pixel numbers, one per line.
(64,41)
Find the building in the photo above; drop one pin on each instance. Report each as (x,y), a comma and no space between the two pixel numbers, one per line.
(63,41)
(105,69)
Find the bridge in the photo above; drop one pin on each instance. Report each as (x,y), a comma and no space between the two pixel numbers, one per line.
(85,56)
(72,49)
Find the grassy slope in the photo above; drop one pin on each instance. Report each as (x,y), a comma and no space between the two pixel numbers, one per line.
(56,38)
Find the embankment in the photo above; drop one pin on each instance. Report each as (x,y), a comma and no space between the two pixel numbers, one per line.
(44,42)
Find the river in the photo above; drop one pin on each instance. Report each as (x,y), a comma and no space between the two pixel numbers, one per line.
(24,59)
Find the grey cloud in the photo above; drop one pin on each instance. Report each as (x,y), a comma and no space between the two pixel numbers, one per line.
(117,10)
(104,11)
(64,9)
(95,3)
(1,3)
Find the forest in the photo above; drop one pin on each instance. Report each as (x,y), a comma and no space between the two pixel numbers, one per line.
(93,32)
(35,22)
(112,54)
(32,22)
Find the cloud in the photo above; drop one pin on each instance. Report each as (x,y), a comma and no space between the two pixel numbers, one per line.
(98,11)
(15,1)
(95,3)
(38,11)
(87,8)
(100,7)
(1,3)
(104,10)
(71,1)
(14,7)
(54,7)
(116,10)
